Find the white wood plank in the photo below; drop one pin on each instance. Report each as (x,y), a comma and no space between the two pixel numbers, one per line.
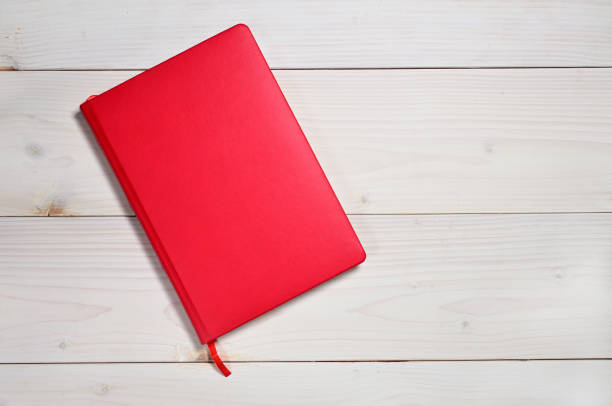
(314,34)
(433,287)
(552,383)
(391,141)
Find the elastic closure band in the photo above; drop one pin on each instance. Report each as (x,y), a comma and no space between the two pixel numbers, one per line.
(213,353)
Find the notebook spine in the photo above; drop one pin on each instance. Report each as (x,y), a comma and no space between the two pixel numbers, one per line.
(88,112)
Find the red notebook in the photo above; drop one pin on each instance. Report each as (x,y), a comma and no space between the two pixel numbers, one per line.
(224,182)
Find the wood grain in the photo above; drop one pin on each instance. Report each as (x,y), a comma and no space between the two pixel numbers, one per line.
(77,290)
(63,34)
(546,383)
(391,141)
(433,287)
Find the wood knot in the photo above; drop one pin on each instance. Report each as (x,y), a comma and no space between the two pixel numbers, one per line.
(34,150)
(101,389)
(55,207)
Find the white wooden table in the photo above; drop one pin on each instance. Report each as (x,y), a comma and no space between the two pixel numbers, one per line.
(470,142)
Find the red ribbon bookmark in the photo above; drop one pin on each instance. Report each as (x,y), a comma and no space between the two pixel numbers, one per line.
(213,353)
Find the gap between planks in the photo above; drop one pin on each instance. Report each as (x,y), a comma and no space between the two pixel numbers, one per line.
(12,69)
(348,214)
(367,361)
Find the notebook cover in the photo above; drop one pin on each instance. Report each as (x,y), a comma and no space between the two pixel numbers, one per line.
(224,182)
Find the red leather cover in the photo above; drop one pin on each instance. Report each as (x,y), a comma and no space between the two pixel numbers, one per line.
(224,182)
